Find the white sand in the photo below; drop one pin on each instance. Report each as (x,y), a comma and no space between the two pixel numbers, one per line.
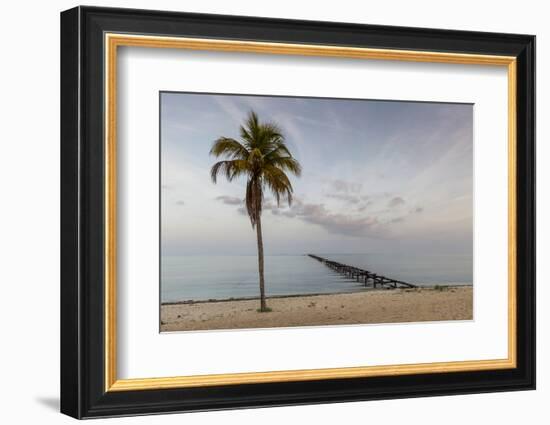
(381,306)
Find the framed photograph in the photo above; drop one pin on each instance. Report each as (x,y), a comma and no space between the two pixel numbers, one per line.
(261,212)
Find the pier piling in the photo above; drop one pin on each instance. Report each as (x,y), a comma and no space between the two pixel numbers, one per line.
(362,275)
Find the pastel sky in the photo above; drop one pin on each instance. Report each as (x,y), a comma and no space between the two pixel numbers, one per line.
(378,176)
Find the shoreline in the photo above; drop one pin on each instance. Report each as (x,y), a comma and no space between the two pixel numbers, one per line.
(435,303)
(314,294)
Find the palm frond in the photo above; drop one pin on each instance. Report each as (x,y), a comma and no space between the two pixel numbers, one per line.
(286,163)
(231,168)
(270,134)
(278,183)
(251,130)
(228,147)
(258,135)
(279,148)
(246,136)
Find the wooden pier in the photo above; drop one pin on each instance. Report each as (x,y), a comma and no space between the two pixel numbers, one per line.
(364,276)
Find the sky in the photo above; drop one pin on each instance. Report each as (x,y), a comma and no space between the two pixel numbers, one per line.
(378,177)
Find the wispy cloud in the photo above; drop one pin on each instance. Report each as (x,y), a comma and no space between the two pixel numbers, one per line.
(230,200)
(351,199)
(357,225)
(345,186)
(396,202)
(364,206)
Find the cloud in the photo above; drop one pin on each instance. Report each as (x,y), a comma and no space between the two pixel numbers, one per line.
(337,223)
(344,224)
(345,186)
(352,199)
(268,204)
(230,108)
(351,222)
(364,206)
(396,202)
(230,200)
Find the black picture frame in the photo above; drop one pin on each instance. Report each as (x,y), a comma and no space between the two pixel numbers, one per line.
(83,392)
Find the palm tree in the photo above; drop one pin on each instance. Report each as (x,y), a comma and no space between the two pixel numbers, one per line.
(263,158)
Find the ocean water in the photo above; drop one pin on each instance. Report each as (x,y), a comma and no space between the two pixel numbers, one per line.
(222,277)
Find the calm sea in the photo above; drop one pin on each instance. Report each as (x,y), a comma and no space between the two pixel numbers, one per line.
(221,277)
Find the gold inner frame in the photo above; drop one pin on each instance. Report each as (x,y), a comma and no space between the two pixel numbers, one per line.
(113,41)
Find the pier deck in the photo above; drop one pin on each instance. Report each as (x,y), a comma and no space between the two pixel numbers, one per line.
(365,276)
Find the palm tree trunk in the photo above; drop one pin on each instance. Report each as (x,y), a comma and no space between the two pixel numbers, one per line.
(263,305)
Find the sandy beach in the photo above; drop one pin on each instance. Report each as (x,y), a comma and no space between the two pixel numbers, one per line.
(374,306)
